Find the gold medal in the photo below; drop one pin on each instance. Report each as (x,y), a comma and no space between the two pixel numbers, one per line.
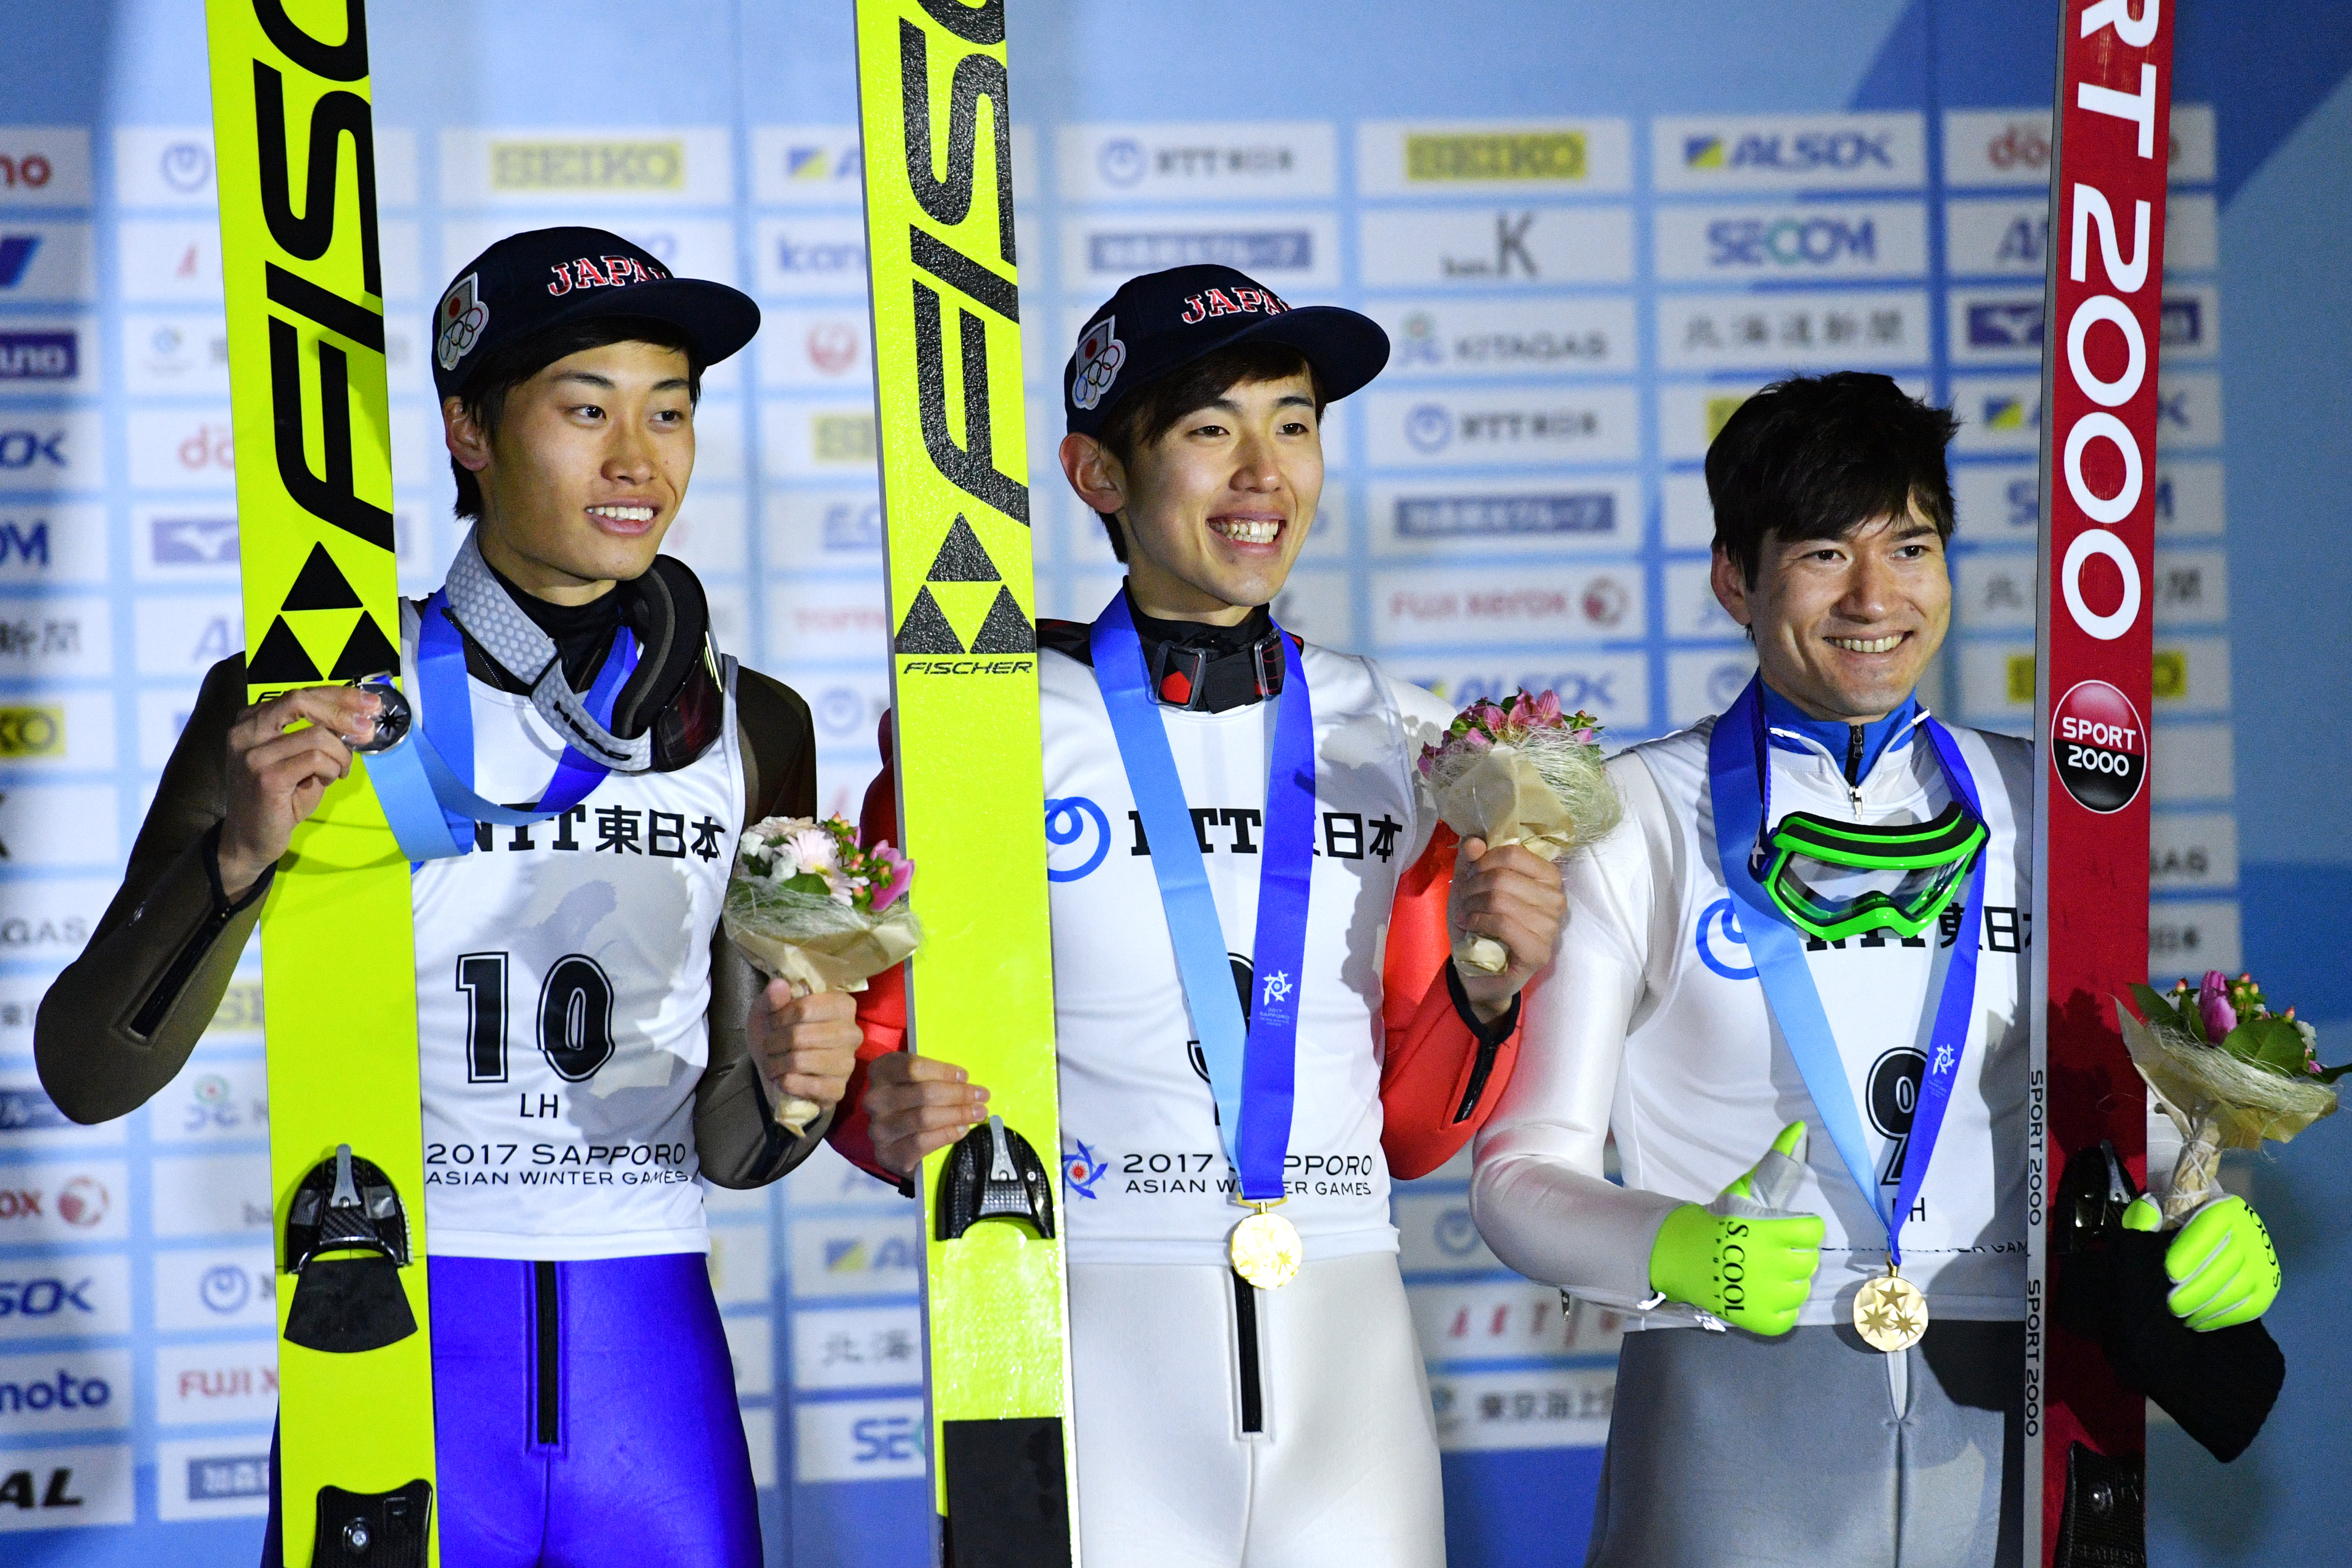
(1265,1248)
(1890,1313)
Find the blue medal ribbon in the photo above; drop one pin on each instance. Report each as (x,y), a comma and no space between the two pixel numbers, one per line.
(1739,783)
(1253,1067)
(427,782)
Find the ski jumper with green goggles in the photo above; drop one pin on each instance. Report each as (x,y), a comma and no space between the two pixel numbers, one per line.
(1899,852)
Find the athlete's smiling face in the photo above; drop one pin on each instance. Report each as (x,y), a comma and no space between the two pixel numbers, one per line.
(1845,627)
(585,473)
(1215,508)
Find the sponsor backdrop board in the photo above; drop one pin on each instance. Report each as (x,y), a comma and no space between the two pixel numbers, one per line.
(1588,240)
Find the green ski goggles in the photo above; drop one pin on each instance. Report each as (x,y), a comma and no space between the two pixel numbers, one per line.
(1836,880)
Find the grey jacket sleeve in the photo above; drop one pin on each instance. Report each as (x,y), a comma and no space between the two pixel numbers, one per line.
(735,1131)
(119,1023)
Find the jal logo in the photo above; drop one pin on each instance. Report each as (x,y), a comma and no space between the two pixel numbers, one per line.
(1790,242)
(1843,151)
(193,541)
(1077,837)
(16,251)
(2005,324)
(1081,1169)
(40,356)
(34,449)
(2100,749)
(1721,946)
(832,347)
(186,166)
(1122,160)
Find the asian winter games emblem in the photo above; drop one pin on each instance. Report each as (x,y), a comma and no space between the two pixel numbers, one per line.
(1081,1170)
(1100,354)
(463,316)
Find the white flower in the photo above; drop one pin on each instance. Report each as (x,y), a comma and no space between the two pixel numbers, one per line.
(813,848)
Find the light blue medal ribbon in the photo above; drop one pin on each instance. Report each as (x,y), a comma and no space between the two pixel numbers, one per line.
(1251,1067)
(426,783)
(1739,781)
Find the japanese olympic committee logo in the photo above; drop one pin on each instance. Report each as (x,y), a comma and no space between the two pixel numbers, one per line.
(1101,355)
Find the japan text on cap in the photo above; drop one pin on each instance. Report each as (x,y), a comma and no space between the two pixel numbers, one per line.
(1164,321)
(546,278)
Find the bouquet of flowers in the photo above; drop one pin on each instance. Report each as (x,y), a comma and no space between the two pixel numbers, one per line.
(809,904)
(2228,1071)
(1521,773)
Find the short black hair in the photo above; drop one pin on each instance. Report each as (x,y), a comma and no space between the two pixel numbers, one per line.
(1152,409)
(1812,457)
(509,365)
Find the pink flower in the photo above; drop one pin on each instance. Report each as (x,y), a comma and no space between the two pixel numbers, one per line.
(1547,709)
(1477,740)
(2213,1004)
(1583,737)
(902,874)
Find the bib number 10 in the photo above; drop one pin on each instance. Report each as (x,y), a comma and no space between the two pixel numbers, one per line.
(575,1016)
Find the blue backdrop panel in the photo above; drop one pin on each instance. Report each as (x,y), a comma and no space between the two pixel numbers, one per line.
(1590,229)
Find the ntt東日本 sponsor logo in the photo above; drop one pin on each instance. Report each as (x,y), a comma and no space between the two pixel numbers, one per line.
(40,357)
(1468,430)
(1208,162)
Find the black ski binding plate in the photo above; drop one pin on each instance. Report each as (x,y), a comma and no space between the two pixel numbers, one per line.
(372,1530)
(354,1302)
(991,1174)
(1008,1494)
(2104,1522)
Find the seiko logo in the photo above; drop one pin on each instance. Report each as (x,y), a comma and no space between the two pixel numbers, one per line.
(1496,155)
(587,165)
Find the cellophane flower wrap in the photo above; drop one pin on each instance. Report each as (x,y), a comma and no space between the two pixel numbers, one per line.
(809,904)
(1520,772)
(2229,1072)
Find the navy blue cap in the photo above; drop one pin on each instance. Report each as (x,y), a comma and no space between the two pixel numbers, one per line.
(1164,321)
(546,278)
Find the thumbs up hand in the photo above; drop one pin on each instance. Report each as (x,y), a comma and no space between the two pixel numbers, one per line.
(1744,1256)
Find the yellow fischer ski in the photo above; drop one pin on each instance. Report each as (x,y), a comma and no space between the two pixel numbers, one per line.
(947,355)
(294,146)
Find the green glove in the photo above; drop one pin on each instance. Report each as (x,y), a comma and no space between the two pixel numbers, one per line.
(2223,1268)
(1743,1257)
